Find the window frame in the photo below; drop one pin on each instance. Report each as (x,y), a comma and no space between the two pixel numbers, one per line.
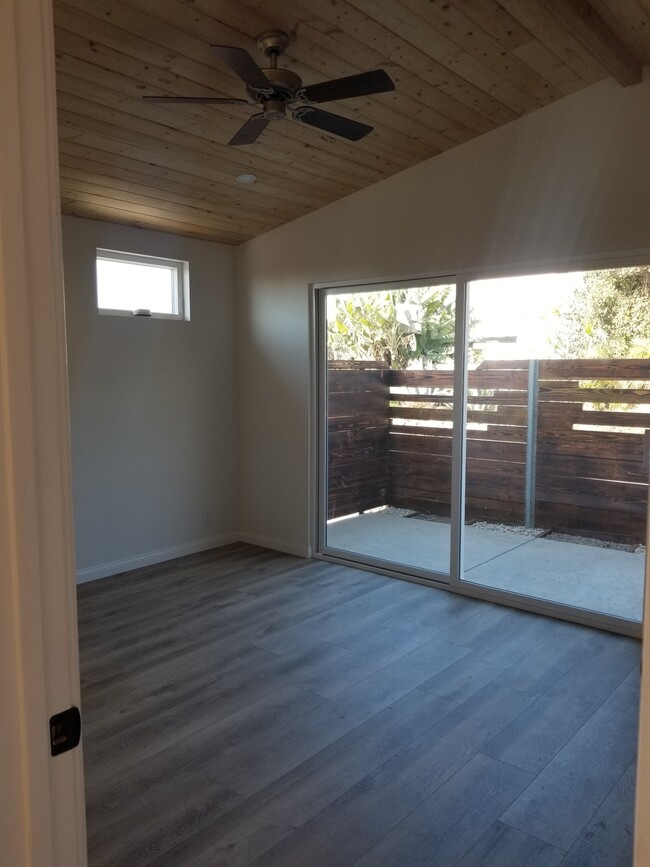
(180,283)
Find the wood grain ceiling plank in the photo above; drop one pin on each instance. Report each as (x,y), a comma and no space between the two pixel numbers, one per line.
(630,22)
(473,41)
(597,38)
(151,208)
(307,160)
(207,123)
(400,53)
(509,33)
(159,138)
(556,37)
(74,128)
(195,189)
(109,63)
(127,194)
(457,120)
(311,57)
(377,112)
(110,214)
(259,218)
(136,41)
(411,96)
(494,19)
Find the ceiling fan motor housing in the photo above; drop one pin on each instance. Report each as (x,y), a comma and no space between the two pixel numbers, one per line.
(283,83)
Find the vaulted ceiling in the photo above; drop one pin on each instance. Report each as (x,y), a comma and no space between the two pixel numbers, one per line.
(461,68)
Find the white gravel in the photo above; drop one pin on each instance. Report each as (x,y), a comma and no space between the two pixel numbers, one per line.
(513,529)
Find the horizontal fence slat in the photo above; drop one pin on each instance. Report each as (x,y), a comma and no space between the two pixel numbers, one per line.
(619,526)
(504,415)
(363,402)
(578,467)
(621,369)
(592,492)
(507,364)
(497,450)
(356,381)
(614,419)
(620,446)
(445,378)
(345,364)
(593,395)
(583,476)
(354,422)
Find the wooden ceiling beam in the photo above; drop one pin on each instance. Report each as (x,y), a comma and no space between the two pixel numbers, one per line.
(596,37)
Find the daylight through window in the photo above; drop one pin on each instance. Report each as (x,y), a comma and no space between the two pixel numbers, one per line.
(132,284)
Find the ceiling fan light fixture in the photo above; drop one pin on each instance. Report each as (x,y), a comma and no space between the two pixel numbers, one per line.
(246,179)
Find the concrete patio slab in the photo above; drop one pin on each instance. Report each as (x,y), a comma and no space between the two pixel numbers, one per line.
(593,578)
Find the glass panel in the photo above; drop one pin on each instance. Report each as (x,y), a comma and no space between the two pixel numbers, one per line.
(390,390)
(123,285)
(558,408)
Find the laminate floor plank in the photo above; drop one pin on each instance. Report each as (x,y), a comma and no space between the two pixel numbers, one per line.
(562,799)
(607,840)
(228,693)
(353,615)
(154,759)
(531,741)
(502,845)
(445,826)
(246,707)
(269,816)
(362,816)
(464,678)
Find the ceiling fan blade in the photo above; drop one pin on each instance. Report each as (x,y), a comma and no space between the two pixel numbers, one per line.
(334,123)
(363,84)
(243,65)
(198,100)
(251,130)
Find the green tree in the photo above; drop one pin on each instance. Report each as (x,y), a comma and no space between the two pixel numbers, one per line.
(608,317)
(395,327)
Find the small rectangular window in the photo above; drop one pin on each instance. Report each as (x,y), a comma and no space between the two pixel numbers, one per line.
(130,284)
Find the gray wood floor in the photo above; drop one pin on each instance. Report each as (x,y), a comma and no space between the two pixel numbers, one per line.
(245,707)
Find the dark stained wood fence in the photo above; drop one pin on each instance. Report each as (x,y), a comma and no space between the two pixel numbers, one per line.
(420,448)
(590,477)
(358,426)
(390,443)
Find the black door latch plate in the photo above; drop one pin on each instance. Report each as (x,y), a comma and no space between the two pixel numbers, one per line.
(65,731)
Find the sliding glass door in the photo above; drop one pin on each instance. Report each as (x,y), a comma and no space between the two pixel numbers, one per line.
(558,411)
(387,418)
(492,435)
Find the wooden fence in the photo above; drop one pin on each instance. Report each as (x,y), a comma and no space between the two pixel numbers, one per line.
(554,443)
(358,430)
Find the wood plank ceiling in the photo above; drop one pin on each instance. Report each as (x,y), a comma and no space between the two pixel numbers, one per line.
(461,68)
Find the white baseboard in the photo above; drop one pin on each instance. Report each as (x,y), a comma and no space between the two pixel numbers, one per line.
(276,544)
(92,573)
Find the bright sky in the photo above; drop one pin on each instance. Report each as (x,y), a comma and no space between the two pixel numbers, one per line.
(521,307)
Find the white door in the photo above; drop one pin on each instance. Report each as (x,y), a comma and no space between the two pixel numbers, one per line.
(41,797)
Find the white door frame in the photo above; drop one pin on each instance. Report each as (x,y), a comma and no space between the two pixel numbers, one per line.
(41,798)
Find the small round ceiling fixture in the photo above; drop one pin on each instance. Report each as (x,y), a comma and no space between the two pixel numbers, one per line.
(246,179)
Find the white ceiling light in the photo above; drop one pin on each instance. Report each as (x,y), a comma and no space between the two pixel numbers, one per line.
(246,179)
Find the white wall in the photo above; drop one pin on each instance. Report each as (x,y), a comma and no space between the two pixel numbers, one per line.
(570,181)
(152,408)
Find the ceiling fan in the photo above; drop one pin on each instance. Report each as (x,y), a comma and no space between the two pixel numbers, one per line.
(274,90)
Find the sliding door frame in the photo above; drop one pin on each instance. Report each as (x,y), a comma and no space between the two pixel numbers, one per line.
(321,293)
(454,582)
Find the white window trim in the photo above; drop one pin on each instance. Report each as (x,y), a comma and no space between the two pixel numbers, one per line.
(181,283)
